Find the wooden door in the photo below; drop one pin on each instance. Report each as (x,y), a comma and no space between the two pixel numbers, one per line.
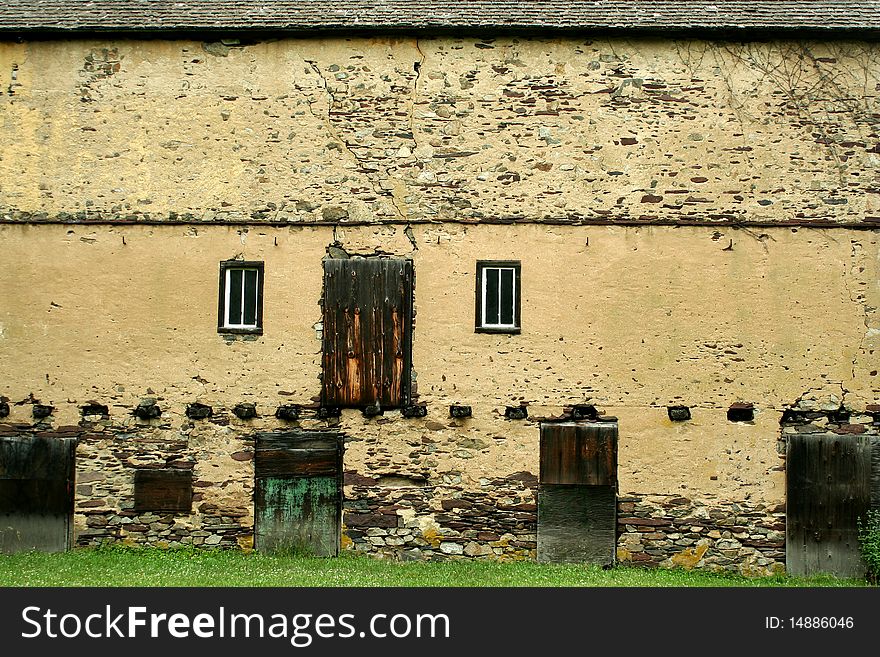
(577,493)
(36,493)
(298,492)
(367,332)
(828,488)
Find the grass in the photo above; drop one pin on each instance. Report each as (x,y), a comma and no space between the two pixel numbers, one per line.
(113,567)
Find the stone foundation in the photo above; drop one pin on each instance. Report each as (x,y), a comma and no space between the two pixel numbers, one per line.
(436,523)
(429,516)
(436,517)
(444,522)
(222,503)
(712,534)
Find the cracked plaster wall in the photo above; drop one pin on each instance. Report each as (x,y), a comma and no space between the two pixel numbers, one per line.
(387,129)
(411,140)
(629,319)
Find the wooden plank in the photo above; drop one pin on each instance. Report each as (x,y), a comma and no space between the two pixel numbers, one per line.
(34,457)
(367,332)
(299,462)
(828,488)
(579,453)
(36,493)
(298,515)
(577,524)
(297,439)
(298,453)
(22,532)
(163,490)
(24,496)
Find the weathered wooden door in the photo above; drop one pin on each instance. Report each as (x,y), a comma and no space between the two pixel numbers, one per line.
(36,493)
(298,492)
(828,488)
(367,332)
(577,493)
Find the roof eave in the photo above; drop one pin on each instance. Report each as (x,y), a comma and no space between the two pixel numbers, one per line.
(737,32)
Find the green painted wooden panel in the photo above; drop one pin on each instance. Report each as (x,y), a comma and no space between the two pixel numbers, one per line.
(298,514)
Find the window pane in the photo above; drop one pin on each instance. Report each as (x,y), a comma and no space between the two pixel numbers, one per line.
(491,310)
(507,297)
(250,297)
(234,310)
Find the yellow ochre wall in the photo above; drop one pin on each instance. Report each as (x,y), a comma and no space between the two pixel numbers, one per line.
(629,319)
(131,168)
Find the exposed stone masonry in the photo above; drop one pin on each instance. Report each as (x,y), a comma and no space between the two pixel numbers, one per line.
(410,130)
(810,416)
(711,534)
(500,522)
(444,522)
(428,516)
(107,459)
(412,519)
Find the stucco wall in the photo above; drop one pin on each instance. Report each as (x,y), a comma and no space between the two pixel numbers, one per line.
(628,319)
(442,128)
(445,151)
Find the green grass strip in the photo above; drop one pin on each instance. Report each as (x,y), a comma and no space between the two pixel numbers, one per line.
(113,567)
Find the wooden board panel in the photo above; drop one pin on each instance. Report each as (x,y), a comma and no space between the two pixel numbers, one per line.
(577,524)
(36,493)
(302,462)
(163,490)
(367,332)
(297,439)
(47,496)
(298,515)
(579,453)
(35,457)
(298,491)
(298,453)
(23,532)
(828,488)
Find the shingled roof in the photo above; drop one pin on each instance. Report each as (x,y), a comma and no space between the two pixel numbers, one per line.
(24,16)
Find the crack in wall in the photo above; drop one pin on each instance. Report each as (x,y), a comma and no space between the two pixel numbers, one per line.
(417,66)
(810,395)
(852,271)
(361,162)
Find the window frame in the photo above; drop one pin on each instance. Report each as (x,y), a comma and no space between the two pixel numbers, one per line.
(479,324)
(225,267)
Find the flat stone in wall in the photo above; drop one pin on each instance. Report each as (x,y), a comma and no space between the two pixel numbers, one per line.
(444,522)
(709,533)
(108,455)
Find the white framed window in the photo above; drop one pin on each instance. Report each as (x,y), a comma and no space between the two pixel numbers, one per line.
(498,296)
(241,297)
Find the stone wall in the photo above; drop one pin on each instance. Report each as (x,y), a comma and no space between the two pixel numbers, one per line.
(396,129)
(132,168)
(422,515)
(708,533)
(500,523)
(443,520)
(811,415)
(107,459)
